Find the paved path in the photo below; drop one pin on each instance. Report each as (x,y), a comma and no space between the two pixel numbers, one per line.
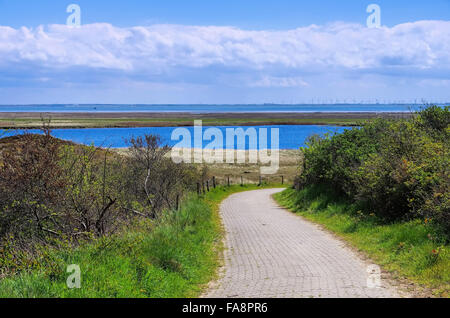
(271,252)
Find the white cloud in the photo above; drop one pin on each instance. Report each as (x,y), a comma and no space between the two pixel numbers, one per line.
(423,45)
(174,63)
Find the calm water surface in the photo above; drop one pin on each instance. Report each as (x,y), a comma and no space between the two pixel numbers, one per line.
(291,136)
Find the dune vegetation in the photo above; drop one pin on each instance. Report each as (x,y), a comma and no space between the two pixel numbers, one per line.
(385,187)
(134,224)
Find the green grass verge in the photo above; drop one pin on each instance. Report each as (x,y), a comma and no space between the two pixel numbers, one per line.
(169,258)
(411,249)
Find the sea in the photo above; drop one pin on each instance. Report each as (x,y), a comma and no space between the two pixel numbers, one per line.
(290,136)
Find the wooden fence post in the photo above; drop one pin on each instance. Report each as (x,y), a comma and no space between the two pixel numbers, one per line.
(214,182)
(282,179)
(177,203)
(198,188)
(242,181)
(207,185)
(228,182)
(260,181)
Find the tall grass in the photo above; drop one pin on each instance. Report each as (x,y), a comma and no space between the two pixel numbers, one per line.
(408,249)
(175,256)
(170,257)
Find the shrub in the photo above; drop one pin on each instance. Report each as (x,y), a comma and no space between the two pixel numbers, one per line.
(332,159)
(58,194)
(399,169)
(31,187)
(436,121)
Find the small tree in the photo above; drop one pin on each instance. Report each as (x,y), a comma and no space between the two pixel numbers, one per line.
(154,180)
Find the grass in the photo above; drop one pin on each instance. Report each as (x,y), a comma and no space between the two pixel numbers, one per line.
(175,256)
(402,248)
(17,123)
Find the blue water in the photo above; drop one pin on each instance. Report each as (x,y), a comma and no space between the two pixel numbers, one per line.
(213,108)
(290,137)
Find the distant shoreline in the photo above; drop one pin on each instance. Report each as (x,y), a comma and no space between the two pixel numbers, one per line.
(23,120)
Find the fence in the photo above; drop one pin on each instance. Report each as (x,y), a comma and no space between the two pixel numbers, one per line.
(205,185)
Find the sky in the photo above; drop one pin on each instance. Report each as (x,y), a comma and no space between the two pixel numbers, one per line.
(223,52)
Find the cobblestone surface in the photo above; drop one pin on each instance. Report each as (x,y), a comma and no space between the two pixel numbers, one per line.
(271,252)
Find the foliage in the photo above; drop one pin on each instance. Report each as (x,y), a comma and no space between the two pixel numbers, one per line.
(175,255)
(31,186)
(168,257)
(153,181)
(57,194)
(398,168)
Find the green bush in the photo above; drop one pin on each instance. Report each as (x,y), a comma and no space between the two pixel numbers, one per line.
(399,169)
(436,121)
(172,256)
(333,158)
(55,194)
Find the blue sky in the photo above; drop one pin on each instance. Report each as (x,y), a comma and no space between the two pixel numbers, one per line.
(223,51)
(247,14)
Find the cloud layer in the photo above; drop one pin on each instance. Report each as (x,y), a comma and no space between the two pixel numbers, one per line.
(226,55)
(419,45)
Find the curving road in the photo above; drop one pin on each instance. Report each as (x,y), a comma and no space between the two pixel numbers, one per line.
(271,252)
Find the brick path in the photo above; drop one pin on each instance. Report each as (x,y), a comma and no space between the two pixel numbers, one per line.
(271,252)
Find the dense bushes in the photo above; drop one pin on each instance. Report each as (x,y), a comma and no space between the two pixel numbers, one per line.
(171,256)
(55,193)
(398,168)
(174,255)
